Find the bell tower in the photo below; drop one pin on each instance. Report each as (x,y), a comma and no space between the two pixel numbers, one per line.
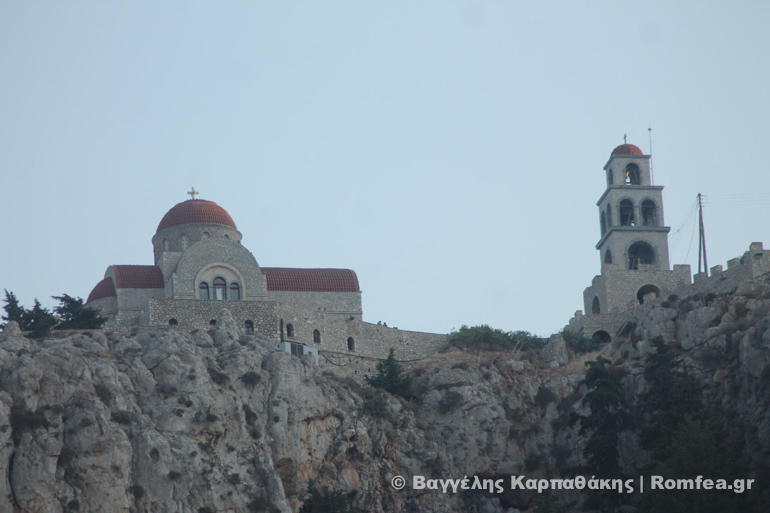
(633,244)
(631,223)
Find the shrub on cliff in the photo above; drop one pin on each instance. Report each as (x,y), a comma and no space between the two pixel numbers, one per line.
(579,343)
(490,339)
(325,500)
(390,376)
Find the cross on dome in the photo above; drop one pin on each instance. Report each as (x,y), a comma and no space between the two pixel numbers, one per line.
(193,193)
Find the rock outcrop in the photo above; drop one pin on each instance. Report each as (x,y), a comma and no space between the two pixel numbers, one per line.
(173,422)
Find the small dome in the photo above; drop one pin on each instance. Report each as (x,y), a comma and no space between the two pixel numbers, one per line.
(196,211)
(627,149)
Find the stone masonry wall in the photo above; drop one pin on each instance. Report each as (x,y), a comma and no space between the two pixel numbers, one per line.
(340,303)
(617,286)
(193,313)
(194,233)
(370,340)
(213,251)
(132,304)
(107,307)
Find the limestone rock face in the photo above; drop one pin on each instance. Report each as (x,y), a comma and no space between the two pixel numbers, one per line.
(175,422)
(11,330)
(168,421)
(555,351)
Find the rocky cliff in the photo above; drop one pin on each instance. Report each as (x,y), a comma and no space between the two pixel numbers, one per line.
(167,421)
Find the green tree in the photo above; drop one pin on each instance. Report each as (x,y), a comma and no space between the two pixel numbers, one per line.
(672,396)
(700,447)
(607,419)
(74,315)
(13,310)
(390,376)
(39,320)
(325,501)
(686,439)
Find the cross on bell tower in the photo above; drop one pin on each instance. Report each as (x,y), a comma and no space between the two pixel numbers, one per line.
(193,193)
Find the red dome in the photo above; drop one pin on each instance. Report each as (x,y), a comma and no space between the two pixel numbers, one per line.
(627,149)
(196,212)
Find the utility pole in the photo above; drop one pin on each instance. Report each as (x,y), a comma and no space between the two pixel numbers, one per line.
(701,237)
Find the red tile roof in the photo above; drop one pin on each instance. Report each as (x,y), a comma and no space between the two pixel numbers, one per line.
(311,280)
(104,288)
(627,149)
(138,277)
(196,212)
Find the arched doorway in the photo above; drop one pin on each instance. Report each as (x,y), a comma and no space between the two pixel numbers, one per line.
(646,291)
(601,336)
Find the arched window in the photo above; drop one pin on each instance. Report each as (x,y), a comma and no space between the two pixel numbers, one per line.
(627,213)
(203,290)
(316,337)
(610,179)
(290,330)
(205,235)
(645,291)
(609,216)
(632,175)
(249,326)
(601,337)
(220,289)
(640,253)
(173,322)
(165,244)
(596,308)
(648,213)
(608,257)
(185,242)
(603,222)
(351,344)
(235,292)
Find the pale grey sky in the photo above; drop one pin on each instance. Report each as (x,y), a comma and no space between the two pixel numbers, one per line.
(450,152)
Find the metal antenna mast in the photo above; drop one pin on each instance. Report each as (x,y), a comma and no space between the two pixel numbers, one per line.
(652,174)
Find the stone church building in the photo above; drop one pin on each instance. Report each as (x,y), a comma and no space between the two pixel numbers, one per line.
(200,266)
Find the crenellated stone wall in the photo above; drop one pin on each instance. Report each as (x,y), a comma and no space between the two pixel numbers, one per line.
(754,262)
